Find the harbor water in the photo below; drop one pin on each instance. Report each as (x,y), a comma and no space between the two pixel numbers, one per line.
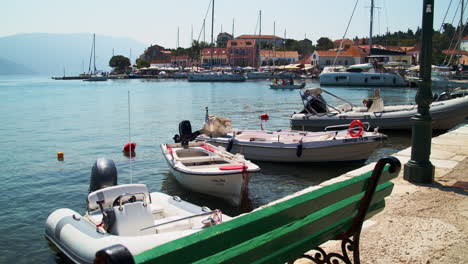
(85,120)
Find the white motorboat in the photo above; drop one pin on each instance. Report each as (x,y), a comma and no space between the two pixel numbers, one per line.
(317,114)
(260,75)
(96,78)
(204,168)
(345,145)
(216,77)
(361,75)
(126,215)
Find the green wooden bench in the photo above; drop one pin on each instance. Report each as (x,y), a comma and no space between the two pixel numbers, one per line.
(284,231)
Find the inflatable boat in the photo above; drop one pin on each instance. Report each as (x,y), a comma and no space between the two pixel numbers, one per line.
(126,215)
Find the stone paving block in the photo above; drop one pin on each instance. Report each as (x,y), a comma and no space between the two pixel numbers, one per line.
(448,164)
(458,158)
(406,152)
(440,154)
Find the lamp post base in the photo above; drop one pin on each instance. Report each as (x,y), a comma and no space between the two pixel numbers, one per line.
(419,172)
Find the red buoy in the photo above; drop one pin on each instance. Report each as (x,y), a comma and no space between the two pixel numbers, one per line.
(264,117)
(129,147)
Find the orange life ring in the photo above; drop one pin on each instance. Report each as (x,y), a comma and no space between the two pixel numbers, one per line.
(351,128)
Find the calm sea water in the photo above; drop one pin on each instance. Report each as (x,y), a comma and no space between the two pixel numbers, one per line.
(40,117)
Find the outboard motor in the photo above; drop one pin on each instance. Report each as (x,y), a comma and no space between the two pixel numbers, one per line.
(185,133)
(103,174)
(316,103)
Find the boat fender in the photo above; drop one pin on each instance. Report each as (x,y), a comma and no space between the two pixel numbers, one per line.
(229,145)
(114,254)
(352,125)
(299,149)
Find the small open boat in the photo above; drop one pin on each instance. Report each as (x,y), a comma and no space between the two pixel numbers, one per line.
(204,168)
(287,86)
(317,114)
(353,144)
(123,214)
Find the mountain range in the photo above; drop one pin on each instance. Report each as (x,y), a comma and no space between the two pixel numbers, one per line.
(54,54)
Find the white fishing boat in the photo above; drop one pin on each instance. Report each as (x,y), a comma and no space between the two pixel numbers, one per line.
(127,215)
(317,114)
(204,168)
(353,144)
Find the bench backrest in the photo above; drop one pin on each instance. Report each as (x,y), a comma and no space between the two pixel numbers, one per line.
(285,230)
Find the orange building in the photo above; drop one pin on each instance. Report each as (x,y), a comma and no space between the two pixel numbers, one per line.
(243,52)
(220,57)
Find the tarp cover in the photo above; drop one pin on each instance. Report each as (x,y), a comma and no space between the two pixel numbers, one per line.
(216,126)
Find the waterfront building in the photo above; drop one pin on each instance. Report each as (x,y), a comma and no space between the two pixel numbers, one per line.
(180,61)
(160,63)
(267,39)
(270,57)
(323,58)
(464,43)
(220,57)
(156,52)
(222,39)
(243,52)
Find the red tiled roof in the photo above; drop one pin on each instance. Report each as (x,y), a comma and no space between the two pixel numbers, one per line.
(161,61)
(351,52)
(455,52)
(166,51)
(257,37)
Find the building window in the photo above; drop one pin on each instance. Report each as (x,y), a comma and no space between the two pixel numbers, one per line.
(346,62)
(233,43)
(248,43)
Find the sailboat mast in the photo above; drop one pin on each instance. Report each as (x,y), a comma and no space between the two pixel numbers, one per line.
(94,52)
(260,30)
(212,28)
(274,42)
(371,26)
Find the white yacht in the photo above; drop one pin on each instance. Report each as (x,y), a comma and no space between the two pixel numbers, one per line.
(216,77)
(361,75)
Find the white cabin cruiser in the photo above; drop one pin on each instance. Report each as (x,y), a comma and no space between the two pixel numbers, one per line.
(317,114)
(354,144)
(361,75)
(204,168)
(126,215)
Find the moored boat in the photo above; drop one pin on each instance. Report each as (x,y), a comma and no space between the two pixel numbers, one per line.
(287,86)
(317,114)
(127,215)
(215,77)
(204,168)
(354,144)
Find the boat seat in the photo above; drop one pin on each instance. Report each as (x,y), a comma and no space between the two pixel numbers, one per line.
(131,218)
(200,159)
(109,194)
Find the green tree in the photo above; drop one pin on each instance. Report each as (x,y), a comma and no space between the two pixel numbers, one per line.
(142,63)
(324,44)
(119,63)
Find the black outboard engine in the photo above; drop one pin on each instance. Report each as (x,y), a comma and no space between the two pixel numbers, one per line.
(316,103)
(185,133)
(103,174)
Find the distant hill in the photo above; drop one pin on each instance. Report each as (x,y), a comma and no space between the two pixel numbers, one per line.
(9,68)
(50,54)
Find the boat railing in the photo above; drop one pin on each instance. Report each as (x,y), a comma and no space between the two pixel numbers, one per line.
(366,126)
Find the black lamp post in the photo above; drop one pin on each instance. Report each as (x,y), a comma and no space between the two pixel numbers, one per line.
(419,168)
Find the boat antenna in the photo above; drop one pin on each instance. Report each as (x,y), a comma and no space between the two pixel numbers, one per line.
(130,139)
(94,52)
(212,26)
(371,26)
(206,114)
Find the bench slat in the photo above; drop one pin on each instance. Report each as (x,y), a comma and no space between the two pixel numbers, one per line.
(219,238)
(292,240)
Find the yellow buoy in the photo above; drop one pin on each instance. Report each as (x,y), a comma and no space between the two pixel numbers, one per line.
(60,155)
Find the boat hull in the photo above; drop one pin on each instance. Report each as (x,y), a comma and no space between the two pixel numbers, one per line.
(338,150)
(361,79)
(78,238)
(445,115)
(228,186)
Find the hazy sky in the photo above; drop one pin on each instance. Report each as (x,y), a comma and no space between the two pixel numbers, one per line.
(156,22)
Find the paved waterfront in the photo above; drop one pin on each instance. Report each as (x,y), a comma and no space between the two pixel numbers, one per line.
(426,223)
